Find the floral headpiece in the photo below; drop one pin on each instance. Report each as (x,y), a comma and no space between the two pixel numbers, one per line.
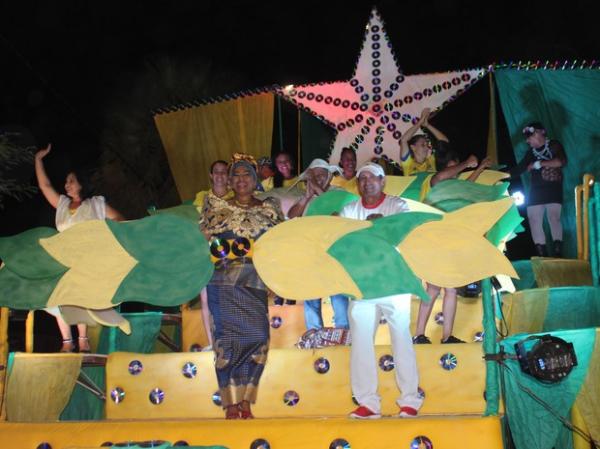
(237,157)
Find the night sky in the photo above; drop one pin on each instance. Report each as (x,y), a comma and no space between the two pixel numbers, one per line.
(69,67)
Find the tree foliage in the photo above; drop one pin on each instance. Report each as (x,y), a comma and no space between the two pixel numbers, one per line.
(134,172)
(13,156)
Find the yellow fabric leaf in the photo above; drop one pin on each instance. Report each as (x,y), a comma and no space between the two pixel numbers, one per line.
(487,177)
(294,251)
(417,206)
(395,185)
(479,217)
(450,255)
(97,265)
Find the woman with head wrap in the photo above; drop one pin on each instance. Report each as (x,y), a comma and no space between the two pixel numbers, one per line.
(237,298)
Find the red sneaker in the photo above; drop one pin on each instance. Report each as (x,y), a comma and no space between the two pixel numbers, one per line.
(408,412)
(363,412)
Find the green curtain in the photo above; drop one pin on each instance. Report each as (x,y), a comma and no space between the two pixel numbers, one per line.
(594,210)
(526,278)
(315,139)
(83,405)
(566,102)
(533,426)
(145,328)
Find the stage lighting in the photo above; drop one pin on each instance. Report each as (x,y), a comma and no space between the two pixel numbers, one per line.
(547,358)
(519,198)
(471,290)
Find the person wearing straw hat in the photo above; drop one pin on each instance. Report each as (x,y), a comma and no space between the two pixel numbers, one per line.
(364,315)
(318,178)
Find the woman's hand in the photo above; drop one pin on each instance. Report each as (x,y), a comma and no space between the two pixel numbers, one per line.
(41,154)
(424,120)
(471,161)
(486,163)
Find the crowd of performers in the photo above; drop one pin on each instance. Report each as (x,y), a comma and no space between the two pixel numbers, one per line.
(235,304)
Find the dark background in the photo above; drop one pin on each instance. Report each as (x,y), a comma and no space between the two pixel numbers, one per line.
(85,75)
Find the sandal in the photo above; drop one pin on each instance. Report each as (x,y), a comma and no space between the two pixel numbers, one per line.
(67,346)
(232,412)
(87,343)
(245,412)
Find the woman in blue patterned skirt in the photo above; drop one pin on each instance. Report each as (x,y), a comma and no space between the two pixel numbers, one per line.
(237,298)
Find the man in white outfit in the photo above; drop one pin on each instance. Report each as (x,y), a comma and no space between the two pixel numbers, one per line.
(364,315)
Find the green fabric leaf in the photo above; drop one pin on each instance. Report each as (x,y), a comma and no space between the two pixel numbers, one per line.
(180,248)
(376,247)
(533,426)
(507,226)
(330,202)
(186,210)
(149,286)
(171,269)
(23,255)
(413,191)
(25,294)
(454,194)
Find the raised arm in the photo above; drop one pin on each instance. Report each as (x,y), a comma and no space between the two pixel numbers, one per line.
(298,208)
(436,132)
(52,196)
(404,148)
(453,171)
(486,163)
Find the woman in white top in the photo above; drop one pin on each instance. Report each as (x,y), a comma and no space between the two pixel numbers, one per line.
(71,209)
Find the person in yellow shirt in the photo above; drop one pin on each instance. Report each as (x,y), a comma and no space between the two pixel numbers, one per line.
(285,171)
(218,184)
(416,153)
(265,172)
(347,180)
(219,187)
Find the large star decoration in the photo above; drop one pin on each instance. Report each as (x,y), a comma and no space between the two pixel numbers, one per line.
(372,110)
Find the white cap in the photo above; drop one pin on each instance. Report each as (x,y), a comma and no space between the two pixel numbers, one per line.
(320,163)
(372,167)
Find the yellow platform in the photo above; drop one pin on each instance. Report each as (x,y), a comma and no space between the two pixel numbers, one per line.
(456,391)
(467,324)
(318,433)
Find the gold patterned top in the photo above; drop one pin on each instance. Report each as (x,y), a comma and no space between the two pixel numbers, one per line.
(226,219)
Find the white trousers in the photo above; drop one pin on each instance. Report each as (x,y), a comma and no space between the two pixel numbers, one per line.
(364,316)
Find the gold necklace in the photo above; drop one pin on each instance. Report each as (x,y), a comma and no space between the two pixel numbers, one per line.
(248,204)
